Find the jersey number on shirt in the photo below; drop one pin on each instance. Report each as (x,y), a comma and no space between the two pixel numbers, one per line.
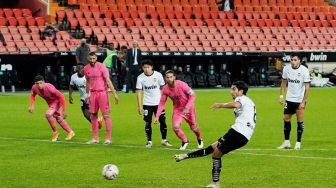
(254,119)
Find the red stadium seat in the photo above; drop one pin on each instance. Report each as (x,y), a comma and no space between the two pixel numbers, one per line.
(26,12)
(31,21)
(17,12)
(40,21)
(8,12)
(12,21)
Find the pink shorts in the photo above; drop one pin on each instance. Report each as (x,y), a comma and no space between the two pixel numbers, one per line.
(190,118)
(54,109)
(99,100)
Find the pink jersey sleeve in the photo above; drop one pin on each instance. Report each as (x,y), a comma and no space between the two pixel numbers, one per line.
(163,100)
(189,93)
(58,95)
(104,71)
(32,95)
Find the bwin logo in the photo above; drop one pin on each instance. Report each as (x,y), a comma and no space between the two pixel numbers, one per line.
(296,81)
(321,57)
(151,87)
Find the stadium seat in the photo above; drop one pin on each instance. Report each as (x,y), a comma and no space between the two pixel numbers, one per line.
(12,21)
(31,21)
(40,21)
(8,12)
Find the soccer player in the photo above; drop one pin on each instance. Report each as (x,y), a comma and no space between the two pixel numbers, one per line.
(56,103)
(296,77)
(237,136)
(97,81)
(151,82)
(78,80)
(183,98)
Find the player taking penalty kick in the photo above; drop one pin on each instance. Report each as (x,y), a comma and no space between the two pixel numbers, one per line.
(238,136)
(56,103)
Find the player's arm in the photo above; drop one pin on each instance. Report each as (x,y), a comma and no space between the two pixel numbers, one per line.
(191,97)
(161,106)
(139,99)
(235,104)
(61,98)
(32,102)
(282,90)
(305,97)
(283,85)
(87,88)
(70,93)
(139,95)
(110,85)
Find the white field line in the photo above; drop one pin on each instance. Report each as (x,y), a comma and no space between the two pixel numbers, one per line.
(288,156)
(241,151)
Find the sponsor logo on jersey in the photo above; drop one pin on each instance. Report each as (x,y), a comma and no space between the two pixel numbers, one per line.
(296,81)
(151,87)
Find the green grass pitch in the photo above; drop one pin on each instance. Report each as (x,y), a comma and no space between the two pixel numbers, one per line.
(29,159)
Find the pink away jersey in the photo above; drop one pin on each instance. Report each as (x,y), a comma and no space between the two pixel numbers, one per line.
(181,95)
(48,93)
(96,76)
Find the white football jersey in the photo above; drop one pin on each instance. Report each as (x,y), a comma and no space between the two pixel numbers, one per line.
(151,87)
(80,83)
(245,116)
(296,79)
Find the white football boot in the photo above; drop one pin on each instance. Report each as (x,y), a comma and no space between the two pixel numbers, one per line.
(285,145)
(180,157)
(297,146)
(213,185)
(184,145)
(149,144)
(166,143)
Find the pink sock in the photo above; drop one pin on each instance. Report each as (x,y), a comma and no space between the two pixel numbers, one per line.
(64,124)
(51,121)
(179,133)
(108,126)
(94,122)
(197,132)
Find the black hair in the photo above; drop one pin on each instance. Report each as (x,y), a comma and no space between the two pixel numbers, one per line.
(170,72)
(295,54)
(123,47)
(241,85)
(146,62)
(92,54)
(38,78)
